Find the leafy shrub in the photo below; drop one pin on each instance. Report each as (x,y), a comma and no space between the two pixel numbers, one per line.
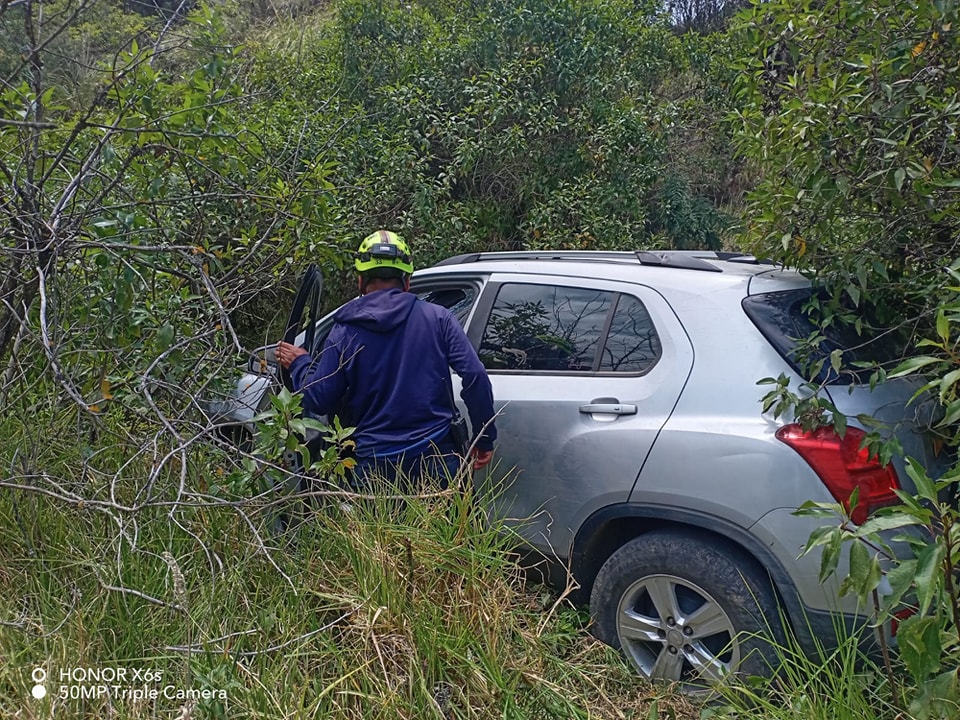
(499,125)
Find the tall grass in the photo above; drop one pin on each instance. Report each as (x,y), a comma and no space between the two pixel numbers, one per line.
(371,610)
(839,681)
(362,609)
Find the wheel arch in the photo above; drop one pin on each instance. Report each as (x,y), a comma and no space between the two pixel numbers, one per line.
(608,529)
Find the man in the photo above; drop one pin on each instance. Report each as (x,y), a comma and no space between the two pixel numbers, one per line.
(385,369)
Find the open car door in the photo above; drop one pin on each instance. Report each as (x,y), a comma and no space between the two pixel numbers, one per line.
(301,330)
(301,327)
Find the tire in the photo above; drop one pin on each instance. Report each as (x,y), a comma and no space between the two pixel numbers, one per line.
(685,610)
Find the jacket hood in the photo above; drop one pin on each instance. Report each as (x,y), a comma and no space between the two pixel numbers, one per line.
(379,311)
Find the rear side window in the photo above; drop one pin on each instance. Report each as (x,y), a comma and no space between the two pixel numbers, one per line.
(632,344)
(568,329)
(782,319)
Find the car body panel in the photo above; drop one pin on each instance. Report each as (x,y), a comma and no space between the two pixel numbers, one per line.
(718,446)
(564,463)
(786,534)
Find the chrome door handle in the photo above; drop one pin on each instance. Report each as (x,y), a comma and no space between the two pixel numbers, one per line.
(609,409)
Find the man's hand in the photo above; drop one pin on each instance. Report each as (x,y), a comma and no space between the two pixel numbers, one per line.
(287,353)
(481,458)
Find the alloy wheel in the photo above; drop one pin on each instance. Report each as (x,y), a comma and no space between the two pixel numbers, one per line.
(674,631)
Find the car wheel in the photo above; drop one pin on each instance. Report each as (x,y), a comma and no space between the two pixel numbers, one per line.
(685,610)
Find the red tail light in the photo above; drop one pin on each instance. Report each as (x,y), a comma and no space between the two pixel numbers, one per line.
(898,616)
(843,466)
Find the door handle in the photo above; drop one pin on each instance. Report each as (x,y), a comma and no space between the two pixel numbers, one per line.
(609,408)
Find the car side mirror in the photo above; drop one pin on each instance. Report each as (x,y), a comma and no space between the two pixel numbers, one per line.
(263,360)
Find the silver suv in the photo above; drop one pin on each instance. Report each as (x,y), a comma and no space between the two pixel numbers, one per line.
(641,461)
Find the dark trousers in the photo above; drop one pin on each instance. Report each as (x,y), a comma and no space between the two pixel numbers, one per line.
(406,473)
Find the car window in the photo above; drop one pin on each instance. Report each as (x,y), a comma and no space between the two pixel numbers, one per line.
(632,343)
(545,327)
(457,300)
(782,319)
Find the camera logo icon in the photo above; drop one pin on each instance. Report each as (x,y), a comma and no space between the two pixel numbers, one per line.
(39,675)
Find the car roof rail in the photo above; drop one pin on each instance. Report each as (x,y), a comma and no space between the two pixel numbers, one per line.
(679,259)
(596,255)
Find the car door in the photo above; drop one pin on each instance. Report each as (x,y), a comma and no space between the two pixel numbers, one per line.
(301,327)
(585,373)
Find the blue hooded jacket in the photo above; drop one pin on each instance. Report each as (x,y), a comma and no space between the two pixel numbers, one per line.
(385,369)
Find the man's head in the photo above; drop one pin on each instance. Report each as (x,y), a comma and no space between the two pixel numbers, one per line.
(382,261)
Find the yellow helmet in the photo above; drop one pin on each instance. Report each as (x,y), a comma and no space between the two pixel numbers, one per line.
(383,249)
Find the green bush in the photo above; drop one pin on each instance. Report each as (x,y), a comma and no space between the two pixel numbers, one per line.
(499,125)
(849,112)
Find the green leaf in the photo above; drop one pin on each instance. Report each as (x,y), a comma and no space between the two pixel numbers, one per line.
(873,578)
(769,399)
(854,499)
(854,292)
(287,397)
(911,365)
(922,390)
(938,697)
(913,505)
(831,556)
(836,360)
(266,415)
(839,423)
(918,638)
(947,383)
(816,509)
(879,523)
(862,571)
(943,326)
(899,175)
(950,182)
(925,486)
(861,271)
(313,424)
(951,415)
(165,336)
(820,536)
(900,578)
(929,573)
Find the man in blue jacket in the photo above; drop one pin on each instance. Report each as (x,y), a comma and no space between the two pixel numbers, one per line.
(385,369)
